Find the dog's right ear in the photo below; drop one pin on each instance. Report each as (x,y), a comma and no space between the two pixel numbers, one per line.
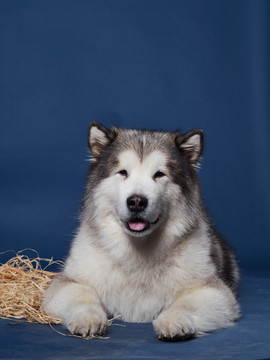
(191,146)
(99,137)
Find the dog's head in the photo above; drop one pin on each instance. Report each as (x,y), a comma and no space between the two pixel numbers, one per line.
(138,177)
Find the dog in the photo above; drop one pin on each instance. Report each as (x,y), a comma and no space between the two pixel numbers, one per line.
(146,248)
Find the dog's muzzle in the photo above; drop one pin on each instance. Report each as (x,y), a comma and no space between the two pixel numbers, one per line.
(139,225)
(138,222)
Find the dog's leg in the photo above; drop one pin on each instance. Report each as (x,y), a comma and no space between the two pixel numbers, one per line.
(77,305)
(196,312)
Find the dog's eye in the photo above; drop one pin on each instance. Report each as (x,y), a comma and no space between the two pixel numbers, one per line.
(123,173)
(159,174)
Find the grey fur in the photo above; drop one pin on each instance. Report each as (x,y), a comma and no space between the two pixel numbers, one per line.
(162,262)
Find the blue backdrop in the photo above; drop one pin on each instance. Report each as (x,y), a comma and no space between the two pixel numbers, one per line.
(142,63)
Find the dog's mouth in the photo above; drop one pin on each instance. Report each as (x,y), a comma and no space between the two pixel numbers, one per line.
(138,225)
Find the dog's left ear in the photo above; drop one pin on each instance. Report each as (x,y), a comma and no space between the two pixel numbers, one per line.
(99,137)
(191,145)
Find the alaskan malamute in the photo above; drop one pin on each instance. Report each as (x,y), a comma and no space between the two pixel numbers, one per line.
(146,248)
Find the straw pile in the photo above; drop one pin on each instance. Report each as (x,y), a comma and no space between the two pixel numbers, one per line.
(23,282)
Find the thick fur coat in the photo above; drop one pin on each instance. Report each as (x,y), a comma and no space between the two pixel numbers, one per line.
(146,248)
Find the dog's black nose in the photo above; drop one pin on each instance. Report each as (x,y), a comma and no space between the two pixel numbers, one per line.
(137,203)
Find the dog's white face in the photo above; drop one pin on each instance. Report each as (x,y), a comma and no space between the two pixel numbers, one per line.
(140,191)
(140,179)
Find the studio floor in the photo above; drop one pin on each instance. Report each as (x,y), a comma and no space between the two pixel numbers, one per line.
(249,339)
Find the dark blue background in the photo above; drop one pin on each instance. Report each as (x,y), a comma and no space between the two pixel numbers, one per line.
(154,64)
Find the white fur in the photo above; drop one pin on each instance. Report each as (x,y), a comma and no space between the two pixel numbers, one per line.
(161,277)
(139,181)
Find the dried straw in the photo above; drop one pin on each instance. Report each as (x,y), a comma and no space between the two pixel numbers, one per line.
(23,282)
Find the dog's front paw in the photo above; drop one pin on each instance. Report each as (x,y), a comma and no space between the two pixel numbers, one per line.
(174,325)
(86,320)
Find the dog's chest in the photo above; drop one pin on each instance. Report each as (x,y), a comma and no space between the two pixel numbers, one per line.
(138,288)
(138,293)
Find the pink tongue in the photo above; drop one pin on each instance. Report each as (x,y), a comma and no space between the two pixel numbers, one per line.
(137,226)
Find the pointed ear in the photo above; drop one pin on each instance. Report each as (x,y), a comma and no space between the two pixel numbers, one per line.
(99,137)
(191,146)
